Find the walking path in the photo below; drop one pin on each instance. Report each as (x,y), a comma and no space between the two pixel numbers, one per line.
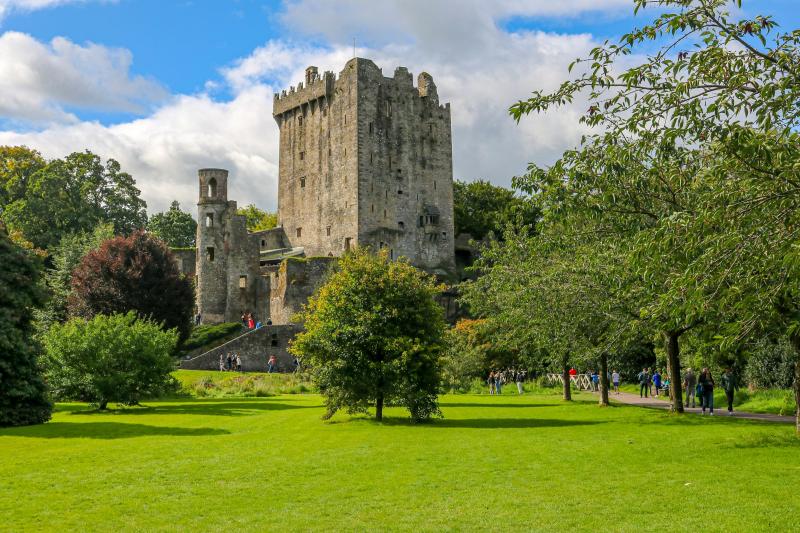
(657,403)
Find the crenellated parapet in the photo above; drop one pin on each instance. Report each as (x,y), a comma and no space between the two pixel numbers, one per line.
(314,88)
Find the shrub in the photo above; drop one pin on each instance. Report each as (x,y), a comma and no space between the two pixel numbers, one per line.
(117,358)
(206,335)
(770,365)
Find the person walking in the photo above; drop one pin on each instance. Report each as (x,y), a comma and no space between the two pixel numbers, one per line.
(595,381)
(498,382)
(491,382)
(221,363)
(730,384)
(238,363)
(615,381)
(657,381)
(228,361)
(689,383)
(706,382)
(271,364)
(644,382)
(519,378)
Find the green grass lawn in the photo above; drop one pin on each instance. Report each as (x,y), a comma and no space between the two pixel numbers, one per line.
(773,401)
(494,463)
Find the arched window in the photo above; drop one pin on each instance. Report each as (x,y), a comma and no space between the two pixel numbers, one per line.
(212,188)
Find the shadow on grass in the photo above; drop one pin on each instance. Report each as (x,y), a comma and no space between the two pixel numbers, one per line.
(105,431)
(198,407)
(487,423)
(769,441)
(491,405)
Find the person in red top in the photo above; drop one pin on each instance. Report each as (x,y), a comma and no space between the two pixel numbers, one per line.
(251,324)
(573,372)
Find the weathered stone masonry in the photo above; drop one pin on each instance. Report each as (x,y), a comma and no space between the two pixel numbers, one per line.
(364,160)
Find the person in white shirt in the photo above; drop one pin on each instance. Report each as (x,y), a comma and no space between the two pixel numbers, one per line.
(615,381)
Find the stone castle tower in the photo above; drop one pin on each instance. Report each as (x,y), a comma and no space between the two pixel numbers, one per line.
(366,160)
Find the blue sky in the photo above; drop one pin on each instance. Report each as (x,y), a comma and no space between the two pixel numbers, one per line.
(169,86)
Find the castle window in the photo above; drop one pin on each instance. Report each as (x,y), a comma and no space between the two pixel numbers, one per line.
(401,225)
(421,221)
(209,220)
(372,208)
(328,231)
(210,254)
(371,158)
(302,156)
(329,150)
(212,188)
(381,245)
(388,108)
(430,128)
(347,241)
(434,185)
(303,182)
(370,127)
(300,121)
(399,192)
(242,282)
(384,213)
(299,232)
(345,120)
(391,253)
(263,243)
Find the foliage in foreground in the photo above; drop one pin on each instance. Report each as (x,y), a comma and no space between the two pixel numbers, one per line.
(136,273)
(23,396)
(373,335)
(117,358)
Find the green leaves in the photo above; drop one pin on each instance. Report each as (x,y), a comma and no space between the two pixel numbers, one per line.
(374,331)
(175,227)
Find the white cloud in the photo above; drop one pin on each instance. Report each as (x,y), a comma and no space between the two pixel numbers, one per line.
(481,75)
(7,6)
(40,82)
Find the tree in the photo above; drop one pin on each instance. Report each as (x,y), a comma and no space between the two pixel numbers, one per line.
(23,395)
(175,227)
(257,219)
(17,165)
(64,258)
(136,273)
(723,93)
(117,358)
(480,208)
(373,335)
(466,356)
(73,195)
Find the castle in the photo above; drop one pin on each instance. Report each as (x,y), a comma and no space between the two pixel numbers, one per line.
(364,160)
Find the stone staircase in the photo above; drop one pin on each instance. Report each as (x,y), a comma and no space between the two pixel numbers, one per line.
(254,348)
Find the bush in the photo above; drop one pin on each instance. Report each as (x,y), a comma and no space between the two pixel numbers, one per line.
(117,358)
(770,365)
(206,335)
(465,357)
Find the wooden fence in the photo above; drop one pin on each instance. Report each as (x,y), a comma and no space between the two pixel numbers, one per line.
(580,381)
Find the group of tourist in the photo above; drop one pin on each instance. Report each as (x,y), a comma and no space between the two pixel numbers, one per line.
(498,378)
(701,387)
(230,362)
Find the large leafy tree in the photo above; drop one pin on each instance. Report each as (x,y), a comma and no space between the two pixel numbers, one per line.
(175,227)
(258,219)
(725,91)
(480,208)
(373,335)
(73,195)
(118,358)
(23,395)
(136,273)
(17,166)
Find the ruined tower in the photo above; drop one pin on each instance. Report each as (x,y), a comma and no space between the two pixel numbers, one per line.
(366,160)
(227,259)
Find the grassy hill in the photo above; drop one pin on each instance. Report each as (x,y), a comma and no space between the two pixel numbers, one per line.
(493,463)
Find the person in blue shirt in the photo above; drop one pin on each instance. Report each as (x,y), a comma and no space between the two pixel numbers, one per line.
(595,381)
(657,381)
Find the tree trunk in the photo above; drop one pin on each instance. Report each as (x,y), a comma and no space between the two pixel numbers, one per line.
(674,362)
(604,379)
(567,385)
(795,339)
(379,407)
(103,405)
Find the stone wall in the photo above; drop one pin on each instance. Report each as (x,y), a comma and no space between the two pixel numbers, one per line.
(254,347)
(185,259)
(317,187)
(293,284)
(405,168)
